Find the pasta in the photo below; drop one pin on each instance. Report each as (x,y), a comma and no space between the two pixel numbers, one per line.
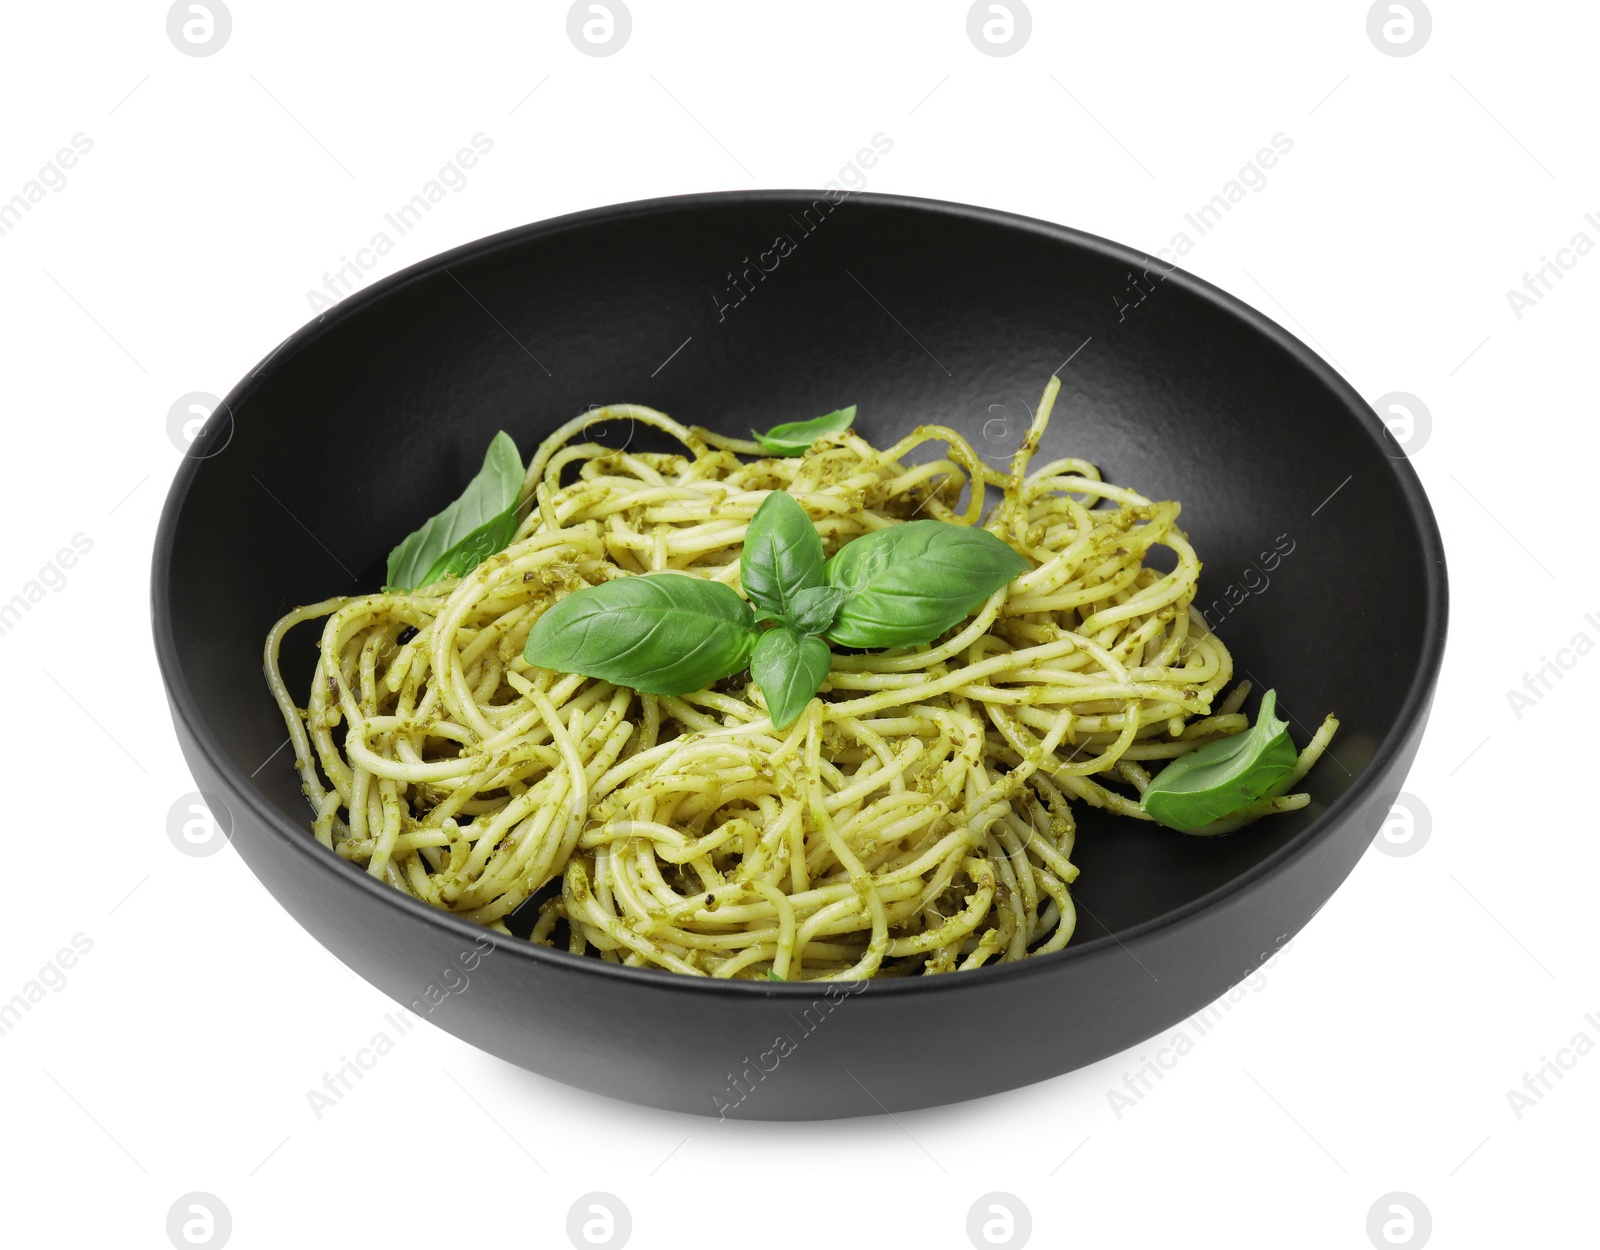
(917,817)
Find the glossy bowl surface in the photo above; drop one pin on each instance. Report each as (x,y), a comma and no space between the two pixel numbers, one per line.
(1324,573)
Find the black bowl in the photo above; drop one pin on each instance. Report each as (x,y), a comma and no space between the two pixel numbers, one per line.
(1324,574)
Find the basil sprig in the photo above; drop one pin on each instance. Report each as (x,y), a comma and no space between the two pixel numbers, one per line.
(909,583)
(1216,780)
(783,571)
(794,438)
(671,634)
(478,524)
(658,633)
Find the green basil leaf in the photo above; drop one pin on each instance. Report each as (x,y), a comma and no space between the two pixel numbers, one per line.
(794,438)
(478,524)
(1216,780)
(909,583)
(782,555)
(658,633)
(811,611)
(790,669)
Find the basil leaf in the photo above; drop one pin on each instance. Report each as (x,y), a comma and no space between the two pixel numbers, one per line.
(782,555)
(1219,778)
(909,583)
(478,524)
(812,610)
(790,669)
(794,438)
(658,633)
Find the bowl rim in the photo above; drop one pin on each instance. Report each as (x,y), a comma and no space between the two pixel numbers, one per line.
(1413,709)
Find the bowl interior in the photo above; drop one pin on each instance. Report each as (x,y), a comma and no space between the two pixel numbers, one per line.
(741,311)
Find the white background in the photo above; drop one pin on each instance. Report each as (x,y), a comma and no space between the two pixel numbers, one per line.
(1377,1052)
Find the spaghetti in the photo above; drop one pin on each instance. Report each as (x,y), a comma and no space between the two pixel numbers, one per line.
(916,818)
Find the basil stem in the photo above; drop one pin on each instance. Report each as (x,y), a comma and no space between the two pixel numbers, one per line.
(1216,780)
